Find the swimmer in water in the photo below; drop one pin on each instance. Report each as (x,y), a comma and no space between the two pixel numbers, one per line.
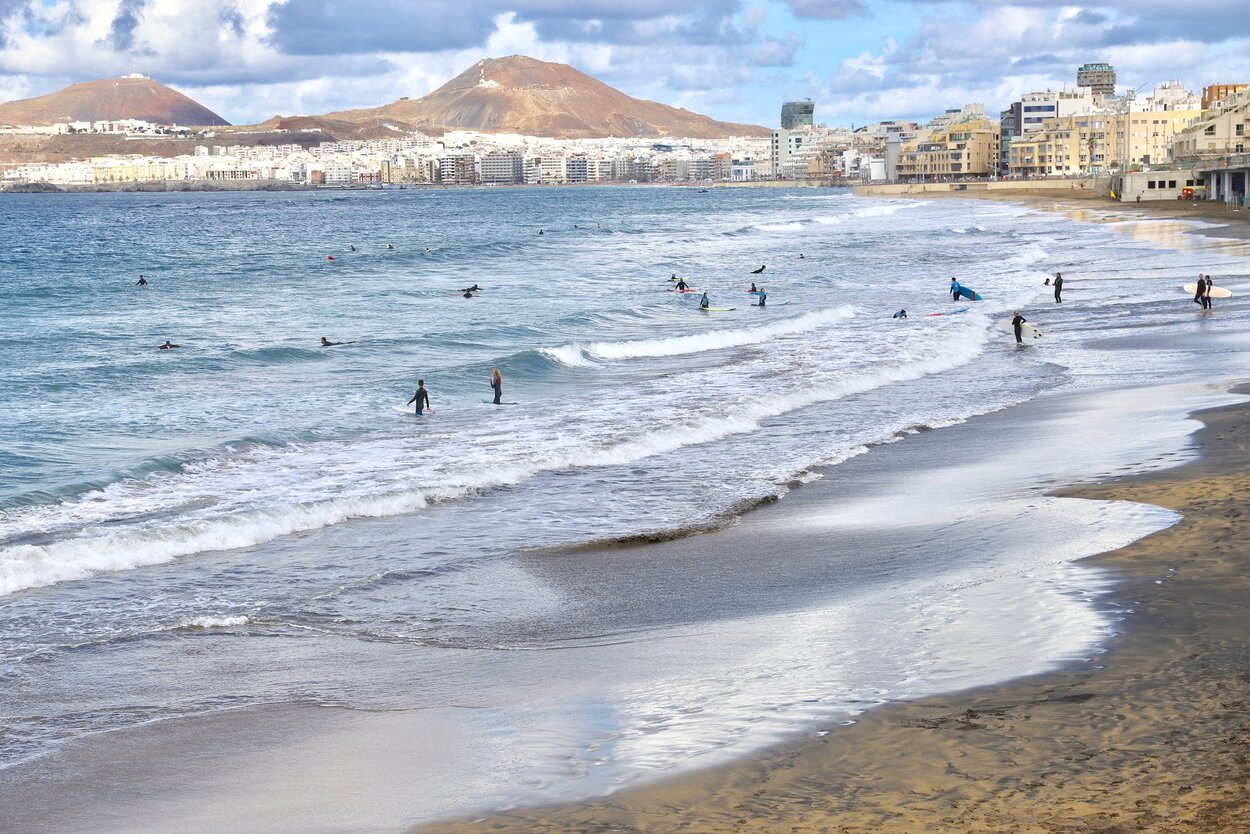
(327,343)
(351,248)
(142,282)
(167,346)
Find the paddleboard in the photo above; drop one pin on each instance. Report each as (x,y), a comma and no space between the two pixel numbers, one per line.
(716,309)
(949,312)
(1027,331)
(505,402)
(1216,292)
(409,410)
(686,292)
(964,292)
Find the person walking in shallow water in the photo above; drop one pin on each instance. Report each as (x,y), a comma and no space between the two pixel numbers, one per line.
(496,382)
(1199,288)
(1206,292)
(421,398)
(1017,322)
(1058,287)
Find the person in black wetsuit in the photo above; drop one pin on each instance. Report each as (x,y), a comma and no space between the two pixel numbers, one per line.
(1058,287)
(758,271)
(682,286)
(496,382)
(1016,324)
(1206,292)
(474,288)
(167,346)
(142,282)
(421,398)
(1200,287)
(753,289)
(327,343)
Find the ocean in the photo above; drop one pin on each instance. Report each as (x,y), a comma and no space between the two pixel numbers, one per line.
(248,529)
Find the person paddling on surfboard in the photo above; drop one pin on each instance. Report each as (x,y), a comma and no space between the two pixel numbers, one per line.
(682,286)
(167,346)
(1017,322)
(901,314)
(758,271)
(496,382)
(421,398)
(327,343)
(704,302)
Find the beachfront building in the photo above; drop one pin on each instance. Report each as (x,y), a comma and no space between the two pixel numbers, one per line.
(1219,132)
(968,147)
(503,168)
(1214,94)
(1098,78)
(797,114)
(457,169)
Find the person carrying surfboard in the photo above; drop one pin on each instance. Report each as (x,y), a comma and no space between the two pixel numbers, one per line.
(496,382)
(954,289)
(1199,287)
(1017,322)
(422,398)
(704,302)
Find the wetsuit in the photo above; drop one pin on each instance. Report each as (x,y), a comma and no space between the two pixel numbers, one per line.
(955,290)
(703,302)
(682,285)
(1206,293)
(1016,326)
(422,399)
(142,282)
(497,384)
(1058,288)
(758,271)
(763,297)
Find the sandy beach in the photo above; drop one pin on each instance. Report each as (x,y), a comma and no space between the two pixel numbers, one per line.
(1150,736)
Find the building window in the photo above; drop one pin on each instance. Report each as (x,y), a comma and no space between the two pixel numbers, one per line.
(1171,183)
(1150,184)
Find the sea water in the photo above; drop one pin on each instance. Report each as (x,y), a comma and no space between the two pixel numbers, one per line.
(255,486)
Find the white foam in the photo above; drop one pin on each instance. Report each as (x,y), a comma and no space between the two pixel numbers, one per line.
(780,227)
(697,343)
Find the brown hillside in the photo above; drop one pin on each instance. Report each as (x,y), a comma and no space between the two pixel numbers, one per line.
(535,98)
(132,97)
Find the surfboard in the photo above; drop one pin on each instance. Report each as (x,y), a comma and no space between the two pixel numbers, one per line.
(1216,292)
(773,304)
(716,309)
(752,292)
(949,312)
(505,402)
(964,292)
(686,292)
(1027,331)
(409,410)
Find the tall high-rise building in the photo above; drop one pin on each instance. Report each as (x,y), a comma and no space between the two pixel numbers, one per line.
(1100,78)
(797,114)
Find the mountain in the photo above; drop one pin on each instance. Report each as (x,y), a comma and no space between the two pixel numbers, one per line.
(129,97)
(536,98)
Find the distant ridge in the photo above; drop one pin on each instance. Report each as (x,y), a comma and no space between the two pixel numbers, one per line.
(131,97)
(523,95)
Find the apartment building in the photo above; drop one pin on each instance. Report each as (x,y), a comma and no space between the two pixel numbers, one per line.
(502,168)
(1220,132)
(970,147)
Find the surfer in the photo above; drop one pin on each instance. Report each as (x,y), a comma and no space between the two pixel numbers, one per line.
(388,246)
(753,289)
(955,288)
(427,251)
(682,286)
(467,294)
(1017,324)
(168,344)
(351,248)
(142,282)
(704,302)
(1199,287)
(540,232)
(763,298)
(474,288)
(496,382)
(901,314)
(1058,287)
(758,271)
(327,343)
(802,256)
(421,398)
(1206,293)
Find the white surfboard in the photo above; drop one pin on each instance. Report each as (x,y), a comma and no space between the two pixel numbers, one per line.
(1027,331)
(1216,292)
(409,410)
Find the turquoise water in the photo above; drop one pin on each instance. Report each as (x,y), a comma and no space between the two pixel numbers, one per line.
(256,485)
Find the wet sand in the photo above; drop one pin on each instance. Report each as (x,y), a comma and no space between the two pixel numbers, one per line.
(1153,735)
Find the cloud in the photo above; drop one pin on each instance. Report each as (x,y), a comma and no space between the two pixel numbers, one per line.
(828,9)
(122,30)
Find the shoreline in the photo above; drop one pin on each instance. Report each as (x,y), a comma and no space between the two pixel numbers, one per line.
(1148,735)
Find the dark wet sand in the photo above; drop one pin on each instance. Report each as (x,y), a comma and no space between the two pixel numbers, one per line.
(1152,736)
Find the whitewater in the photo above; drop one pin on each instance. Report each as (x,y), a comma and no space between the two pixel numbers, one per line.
(257,495)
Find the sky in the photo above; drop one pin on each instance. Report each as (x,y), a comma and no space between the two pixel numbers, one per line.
(736,60)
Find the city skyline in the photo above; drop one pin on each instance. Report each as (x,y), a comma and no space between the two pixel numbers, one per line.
(859,60)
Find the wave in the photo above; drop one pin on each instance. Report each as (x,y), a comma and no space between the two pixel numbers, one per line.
(781,227)
(580,355)
(102,544)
